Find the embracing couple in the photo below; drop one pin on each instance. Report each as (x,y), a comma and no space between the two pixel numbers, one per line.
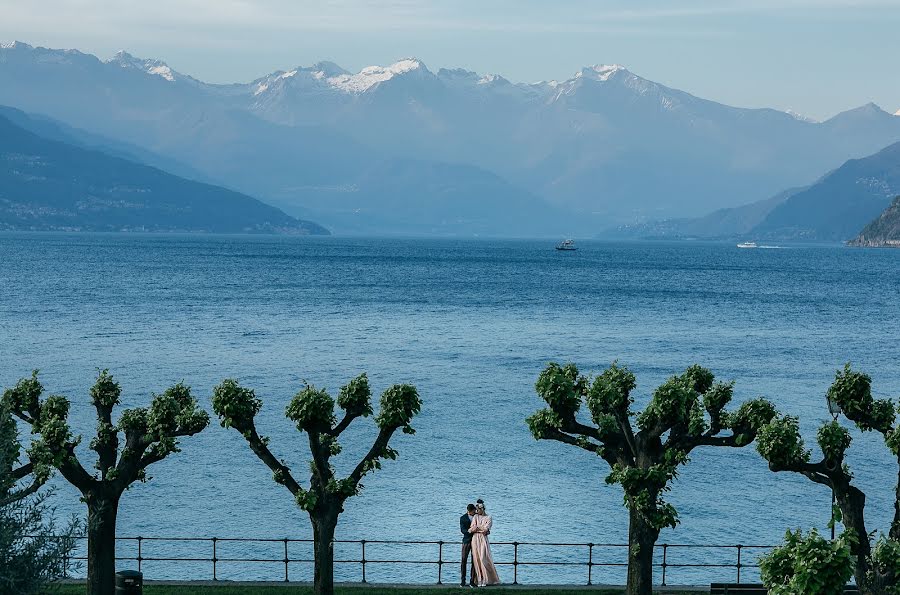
(475,526)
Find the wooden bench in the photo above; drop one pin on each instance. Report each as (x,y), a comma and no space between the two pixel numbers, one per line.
(752,589)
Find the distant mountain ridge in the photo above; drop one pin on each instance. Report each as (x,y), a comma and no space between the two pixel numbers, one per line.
(47,184)
(833,209)
(603,148)
(838,206)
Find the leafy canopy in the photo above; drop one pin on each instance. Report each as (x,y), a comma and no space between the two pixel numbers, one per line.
(807,564)
(313,412)
(643,453)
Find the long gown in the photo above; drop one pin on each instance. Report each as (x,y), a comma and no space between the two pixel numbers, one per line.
(481,551)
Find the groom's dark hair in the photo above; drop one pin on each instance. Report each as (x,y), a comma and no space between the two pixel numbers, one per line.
(470,508)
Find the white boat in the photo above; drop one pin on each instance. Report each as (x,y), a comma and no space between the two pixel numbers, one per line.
(747,245)
(566,245)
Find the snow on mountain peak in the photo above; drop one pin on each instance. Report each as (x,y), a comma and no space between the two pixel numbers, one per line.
(154,67)
(490,79)
(897,113)
(600,72)
(799,116)
(370,76)
(12,45)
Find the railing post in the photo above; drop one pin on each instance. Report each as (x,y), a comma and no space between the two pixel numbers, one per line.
(739,546)
(515,562)
(286,560)
(590,561)
(215,558)
(363,542)
(440,561)
(664,563)
(139,556)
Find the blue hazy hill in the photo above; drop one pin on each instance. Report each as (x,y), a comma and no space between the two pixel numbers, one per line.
(47,184)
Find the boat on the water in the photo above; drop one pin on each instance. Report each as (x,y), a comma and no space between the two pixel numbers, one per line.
(566,245)
(747,245)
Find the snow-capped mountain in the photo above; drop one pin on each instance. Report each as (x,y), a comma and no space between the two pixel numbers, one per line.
(605,146)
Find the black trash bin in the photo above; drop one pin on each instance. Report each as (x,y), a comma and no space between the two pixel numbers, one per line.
(129,582)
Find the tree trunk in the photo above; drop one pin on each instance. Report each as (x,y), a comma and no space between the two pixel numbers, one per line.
(323,534)
(101,530)
(852,503)
(641,540)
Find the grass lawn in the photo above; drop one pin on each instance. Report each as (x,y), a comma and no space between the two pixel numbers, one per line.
(285,590)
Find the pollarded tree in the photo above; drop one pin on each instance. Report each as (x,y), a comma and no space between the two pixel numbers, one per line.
(312,410)
(876,569)
(685,412)
(151,434)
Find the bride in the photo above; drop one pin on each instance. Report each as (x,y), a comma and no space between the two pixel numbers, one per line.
(481,548)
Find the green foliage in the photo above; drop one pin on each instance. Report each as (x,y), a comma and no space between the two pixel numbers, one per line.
(542,423)
(780,444)
(834,440)
(175,411)
(105,391)
(355,397)
(644,488)
(670,405)
(885,561)
(27,564)
(399,404)
(25,396)
(133,421)
(698,378)
(235,405)
(807,564)
(610,394)
(641,462)
(717,397)
(853,392)
(751,416)
(561,387)
(312,410)
(306,499)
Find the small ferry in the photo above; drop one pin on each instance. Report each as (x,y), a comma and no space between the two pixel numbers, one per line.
(566,245)
(747,245)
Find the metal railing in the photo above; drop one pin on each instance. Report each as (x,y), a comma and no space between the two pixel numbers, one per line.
(524,554)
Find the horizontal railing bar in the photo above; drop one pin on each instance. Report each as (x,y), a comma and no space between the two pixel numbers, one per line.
(412,542)
(563,556)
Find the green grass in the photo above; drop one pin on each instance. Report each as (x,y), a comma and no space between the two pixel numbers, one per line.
(280,590)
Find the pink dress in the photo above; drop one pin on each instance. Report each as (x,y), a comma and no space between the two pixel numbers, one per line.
(481,551)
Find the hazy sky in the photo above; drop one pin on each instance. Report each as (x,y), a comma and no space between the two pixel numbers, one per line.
(816,57)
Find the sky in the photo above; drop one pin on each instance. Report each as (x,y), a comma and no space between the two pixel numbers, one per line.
(815,57)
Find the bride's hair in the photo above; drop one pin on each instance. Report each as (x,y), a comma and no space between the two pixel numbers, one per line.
(480,508)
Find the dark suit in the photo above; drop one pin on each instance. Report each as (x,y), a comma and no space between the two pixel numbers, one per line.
(465,521)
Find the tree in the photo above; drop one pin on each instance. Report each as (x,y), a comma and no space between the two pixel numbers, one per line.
(876,568)
(312,410)
(684,413)
(33,550)
(810,564)
(151,434)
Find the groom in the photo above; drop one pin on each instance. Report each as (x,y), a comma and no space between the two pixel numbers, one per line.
(465,521)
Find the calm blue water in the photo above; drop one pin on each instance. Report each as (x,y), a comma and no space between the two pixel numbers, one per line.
(471,323)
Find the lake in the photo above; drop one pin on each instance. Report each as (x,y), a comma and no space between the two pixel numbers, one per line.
(471,323)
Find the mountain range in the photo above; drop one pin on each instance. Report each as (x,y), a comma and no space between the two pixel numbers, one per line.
(404,149)
(47,183)
(834,208)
